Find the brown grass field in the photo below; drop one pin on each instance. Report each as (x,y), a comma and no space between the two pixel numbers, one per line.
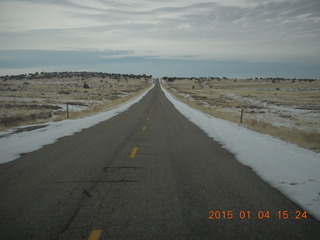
(289,110)
(41,100)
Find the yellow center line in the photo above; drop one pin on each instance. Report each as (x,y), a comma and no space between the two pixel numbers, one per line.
(134,152)
(144,128)
(95,234)
(148,119)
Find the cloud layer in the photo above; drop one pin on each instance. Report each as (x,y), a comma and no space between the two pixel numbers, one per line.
(214,30)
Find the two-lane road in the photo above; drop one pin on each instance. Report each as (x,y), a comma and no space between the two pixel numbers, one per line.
(147,173)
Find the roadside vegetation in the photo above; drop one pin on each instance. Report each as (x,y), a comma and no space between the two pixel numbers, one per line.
(41,97)
(288,109)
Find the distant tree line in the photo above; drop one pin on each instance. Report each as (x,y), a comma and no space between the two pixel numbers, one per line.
(86,75)
(172,79)
(202,79)
(82,75)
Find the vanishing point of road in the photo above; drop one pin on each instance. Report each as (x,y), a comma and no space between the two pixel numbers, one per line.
(147,173)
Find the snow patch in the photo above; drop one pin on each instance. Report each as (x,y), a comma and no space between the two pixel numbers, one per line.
(293,170)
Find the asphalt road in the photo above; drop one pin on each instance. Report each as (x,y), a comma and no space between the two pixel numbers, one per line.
(147,173)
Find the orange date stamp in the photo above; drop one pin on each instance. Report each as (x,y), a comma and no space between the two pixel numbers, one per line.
(284,214)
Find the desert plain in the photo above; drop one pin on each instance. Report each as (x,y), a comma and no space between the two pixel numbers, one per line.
(288,109)
(41,97)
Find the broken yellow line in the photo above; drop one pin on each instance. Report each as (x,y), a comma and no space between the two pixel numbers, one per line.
(144,128)
(134,152)
(95,234)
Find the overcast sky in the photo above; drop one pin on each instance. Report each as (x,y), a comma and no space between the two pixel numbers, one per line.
(234,38)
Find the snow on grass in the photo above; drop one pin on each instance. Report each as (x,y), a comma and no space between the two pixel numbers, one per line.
(286,115)
(123,94)
(13,144)
(293,170)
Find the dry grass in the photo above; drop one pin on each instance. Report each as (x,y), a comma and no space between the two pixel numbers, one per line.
(41,100)
(306,139)
(225,99)
(99,108)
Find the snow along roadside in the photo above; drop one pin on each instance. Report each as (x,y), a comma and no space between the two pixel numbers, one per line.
(12,145)
(293,170)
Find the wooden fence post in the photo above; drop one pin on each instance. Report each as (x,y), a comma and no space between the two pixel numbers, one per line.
(241,117)
(67,110)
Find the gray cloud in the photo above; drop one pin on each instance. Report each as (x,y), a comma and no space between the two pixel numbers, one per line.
(244,30)
(41,58)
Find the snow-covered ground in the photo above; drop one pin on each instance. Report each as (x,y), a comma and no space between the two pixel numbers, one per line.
(291,105)
(276,114)
(13,144)
(293,170)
